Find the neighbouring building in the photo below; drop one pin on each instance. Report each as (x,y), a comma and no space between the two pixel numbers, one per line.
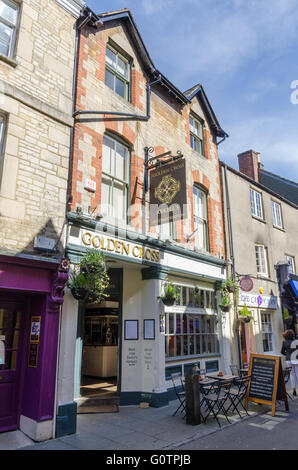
(261,237)
(133,129)
(37,50)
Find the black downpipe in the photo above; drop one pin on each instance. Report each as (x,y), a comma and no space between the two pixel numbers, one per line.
(118,113)
(231,247)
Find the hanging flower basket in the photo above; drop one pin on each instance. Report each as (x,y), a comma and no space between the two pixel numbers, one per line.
(91,281)
(245,314)
(79,293)
(168,301)
(245,318)
(171,294)
(225,307)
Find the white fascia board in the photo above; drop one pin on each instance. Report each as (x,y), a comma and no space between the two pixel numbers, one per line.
(74,7)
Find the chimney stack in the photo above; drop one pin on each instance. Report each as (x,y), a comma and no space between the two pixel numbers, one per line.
(249,164)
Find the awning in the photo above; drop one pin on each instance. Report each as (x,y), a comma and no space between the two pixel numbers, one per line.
(294,285)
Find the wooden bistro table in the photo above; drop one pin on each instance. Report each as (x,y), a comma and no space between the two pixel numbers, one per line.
(215,376)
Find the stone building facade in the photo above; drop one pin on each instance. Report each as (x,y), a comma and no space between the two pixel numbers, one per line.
(261,230)
(36,100)
(130,119)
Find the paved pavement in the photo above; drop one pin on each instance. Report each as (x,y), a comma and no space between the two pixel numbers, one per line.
(133,428)
(262,432)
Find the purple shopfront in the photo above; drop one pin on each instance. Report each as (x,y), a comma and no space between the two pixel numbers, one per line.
(31,293)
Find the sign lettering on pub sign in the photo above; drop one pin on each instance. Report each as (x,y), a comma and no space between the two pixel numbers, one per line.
(168,193)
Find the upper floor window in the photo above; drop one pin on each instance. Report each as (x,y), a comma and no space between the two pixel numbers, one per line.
(267,332)
(196,135)
(2,126)
(8,26)
(200,218)
(276,214)
(256,204)
(261,260)
(114,186)
(291,261)
(166,229)
(117,72)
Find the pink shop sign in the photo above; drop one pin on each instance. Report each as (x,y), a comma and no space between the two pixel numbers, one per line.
(257,300)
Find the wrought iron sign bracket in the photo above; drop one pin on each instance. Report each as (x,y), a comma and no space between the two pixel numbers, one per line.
(157,161)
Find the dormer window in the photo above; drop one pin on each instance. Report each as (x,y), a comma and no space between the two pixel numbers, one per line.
(196,135)
(117,72)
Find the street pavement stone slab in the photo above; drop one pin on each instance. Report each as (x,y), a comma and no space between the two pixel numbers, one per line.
(134,428)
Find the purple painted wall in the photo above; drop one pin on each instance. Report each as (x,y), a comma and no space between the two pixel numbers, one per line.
(37,395)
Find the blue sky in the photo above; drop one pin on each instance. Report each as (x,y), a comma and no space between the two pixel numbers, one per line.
(244,52)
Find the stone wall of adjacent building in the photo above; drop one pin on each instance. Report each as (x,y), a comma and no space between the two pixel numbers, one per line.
(166,130)
(36,101)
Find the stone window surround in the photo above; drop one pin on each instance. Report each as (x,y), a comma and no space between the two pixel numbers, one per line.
(253,204)
(264,252)
(125,58)
(196,137)
(10,59)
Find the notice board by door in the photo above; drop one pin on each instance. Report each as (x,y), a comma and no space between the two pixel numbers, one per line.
(267,384)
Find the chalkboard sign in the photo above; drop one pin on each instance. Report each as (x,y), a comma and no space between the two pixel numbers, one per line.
(267,382)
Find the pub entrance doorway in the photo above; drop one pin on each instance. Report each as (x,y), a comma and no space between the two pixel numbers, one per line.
(102,342)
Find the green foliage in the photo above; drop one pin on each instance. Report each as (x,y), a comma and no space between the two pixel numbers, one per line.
(92,280)
(229,285)
(225,300)
(170,291)
(245,312)
(286,314)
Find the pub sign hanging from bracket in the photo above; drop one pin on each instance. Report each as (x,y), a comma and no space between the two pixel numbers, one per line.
(168,202)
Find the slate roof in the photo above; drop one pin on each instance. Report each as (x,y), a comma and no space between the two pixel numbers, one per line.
(282,186)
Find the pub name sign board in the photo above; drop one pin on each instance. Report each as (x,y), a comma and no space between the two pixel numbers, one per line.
(168,201)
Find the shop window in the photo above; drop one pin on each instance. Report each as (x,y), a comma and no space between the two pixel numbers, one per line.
(276,214)
(188,367)
(261,260)
(256,204)
(190,335)
(267,332)
(291,262)
(172,370)
(196,135)
(9,12)
(211,366)
(200,218)
(114,186)
(117,75)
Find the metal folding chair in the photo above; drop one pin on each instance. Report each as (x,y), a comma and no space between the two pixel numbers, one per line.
(206,389)
(235,370)
(237,394)
(286,374)
(179,391)
(216,401)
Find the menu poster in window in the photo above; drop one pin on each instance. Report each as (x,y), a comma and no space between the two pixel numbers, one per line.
(33,355)
(35,329)
(149,329)
(267,382)
(131,329)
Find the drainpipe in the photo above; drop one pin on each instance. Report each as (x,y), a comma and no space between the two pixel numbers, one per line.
(231,248)
(128,115)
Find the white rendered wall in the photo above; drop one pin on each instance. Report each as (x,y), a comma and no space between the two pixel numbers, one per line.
(67,349)
(143,361)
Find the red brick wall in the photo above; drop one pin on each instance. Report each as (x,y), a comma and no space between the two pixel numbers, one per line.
(87,141)
(248,164)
